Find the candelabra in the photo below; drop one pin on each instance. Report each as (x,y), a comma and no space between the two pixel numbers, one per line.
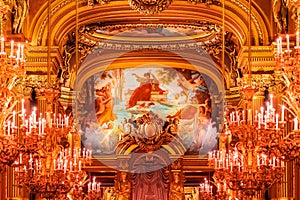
(206,191)
(93,192)
(31,135)
(244,168)
(287,66)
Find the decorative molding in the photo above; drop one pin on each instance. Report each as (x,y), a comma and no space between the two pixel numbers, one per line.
(254,20)
(206,2)
(149,7)
(52,12)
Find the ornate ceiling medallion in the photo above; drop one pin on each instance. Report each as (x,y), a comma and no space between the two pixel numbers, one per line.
(149,7)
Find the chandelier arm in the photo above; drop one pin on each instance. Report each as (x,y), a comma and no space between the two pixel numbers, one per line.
(291,107)
(286,80)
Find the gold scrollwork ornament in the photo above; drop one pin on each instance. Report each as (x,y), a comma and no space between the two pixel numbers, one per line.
(102,2)
(149,7)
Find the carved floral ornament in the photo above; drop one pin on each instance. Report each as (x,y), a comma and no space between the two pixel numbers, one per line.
(151,7)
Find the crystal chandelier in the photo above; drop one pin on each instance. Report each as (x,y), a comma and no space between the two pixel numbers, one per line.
(245,165)
(11,72)
(245,170)
(287,66)
(54,175)
(43,135)
(44,166)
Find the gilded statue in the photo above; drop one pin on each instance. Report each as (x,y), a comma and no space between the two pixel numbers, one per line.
(123,187)
(176,188)
(108,194)
(280,13)
(19,13)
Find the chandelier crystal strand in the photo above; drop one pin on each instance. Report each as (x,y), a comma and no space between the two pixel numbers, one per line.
(206,191)
(94,190)
(287,65)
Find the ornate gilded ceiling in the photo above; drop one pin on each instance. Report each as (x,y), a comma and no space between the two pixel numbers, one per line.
(114,25)
(189,27)
(119,12)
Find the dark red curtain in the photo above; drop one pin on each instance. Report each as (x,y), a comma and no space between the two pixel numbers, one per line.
(150,186)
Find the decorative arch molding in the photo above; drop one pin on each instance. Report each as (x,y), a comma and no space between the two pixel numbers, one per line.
(38,28)
(63,18)
(261,26)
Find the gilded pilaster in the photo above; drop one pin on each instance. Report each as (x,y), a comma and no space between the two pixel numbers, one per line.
(123,186)
(176,181)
